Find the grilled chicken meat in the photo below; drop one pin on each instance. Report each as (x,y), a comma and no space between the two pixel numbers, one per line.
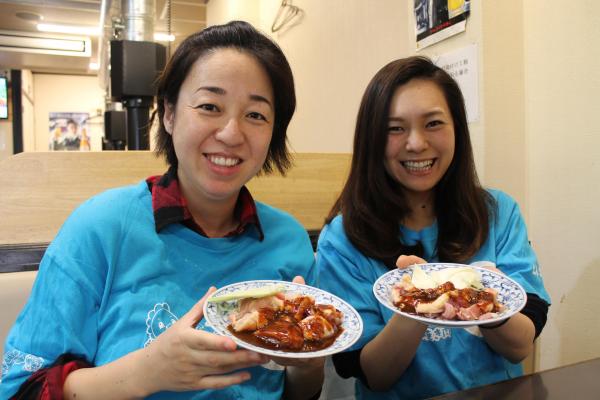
(287,323)
(446,302)
(283,333)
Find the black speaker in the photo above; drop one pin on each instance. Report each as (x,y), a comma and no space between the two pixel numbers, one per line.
(115,125)
(134,67)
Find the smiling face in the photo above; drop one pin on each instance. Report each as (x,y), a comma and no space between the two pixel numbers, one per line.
(222,125)
(420,142)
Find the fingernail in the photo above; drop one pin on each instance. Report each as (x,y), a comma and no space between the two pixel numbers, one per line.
(229,346)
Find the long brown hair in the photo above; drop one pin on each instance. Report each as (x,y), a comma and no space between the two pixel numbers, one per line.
(372,203)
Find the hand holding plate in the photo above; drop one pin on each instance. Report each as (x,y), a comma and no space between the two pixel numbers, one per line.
(184,358)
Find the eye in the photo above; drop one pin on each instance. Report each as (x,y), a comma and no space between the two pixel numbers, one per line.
(434,123)
(208,107)
(257,116)
(395,129)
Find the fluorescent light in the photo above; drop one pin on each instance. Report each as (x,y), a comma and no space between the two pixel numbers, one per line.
(33,42)
(163,37)
(92,31)
(70,29)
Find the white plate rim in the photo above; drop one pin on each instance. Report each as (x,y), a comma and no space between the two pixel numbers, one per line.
(349,312)
(385,300)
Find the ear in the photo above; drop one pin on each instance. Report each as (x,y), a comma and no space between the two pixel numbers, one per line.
(169,117)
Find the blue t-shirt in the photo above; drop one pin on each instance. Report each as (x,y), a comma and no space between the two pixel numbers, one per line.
(109,285)
(446,359)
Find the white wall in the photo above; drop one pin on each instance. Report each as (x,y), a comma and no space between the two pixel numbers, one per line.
(562,75)
(6,139)
(28,110)
(66,93)
(334,51)
(6,127)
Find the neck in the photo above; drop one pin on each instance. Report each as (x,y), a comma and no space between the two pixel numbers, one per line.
(422,212)
(215,217)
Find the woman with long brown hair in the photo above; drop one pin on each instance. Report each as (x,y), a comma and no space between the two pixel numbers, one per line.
(413,196)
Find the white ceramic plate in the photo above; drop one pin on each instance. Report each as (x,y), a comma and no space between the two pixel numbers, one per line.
(510,293)
(217,317)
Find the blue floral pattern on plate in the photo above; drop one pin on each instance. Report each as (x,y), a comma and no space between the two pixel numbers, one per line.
(510,293)
(216,316)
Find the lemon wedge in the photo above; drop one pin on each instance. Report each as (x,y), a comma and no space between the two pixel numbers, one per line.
(254,293)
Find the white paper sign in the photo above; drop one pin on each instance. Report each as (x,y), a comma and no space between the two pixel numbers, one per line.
(462,65)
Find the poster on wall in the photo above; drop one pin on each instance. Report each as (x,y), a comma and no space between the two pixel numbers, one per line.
(462,65)
(436,20)
(3,97)
(68,131)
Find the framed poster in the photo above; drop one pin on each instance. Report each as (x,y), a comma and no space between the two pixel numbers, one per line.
(68,131)
(3,97)
(436,20)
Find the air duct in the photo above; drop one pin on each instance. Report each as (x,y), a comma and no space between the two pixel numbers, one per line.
(135,61)
(138,17)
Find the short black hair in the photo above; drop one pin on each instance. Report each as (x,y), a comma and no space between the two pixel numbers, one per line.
(245,38)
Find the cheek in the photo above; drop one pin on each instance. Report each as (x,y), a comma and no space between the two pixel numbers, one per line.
(392,148)
(261,146)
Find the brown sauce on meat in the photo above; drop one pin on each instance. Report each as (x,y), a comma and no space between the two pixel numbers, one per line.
(410,299)
(461,297)
(249,337)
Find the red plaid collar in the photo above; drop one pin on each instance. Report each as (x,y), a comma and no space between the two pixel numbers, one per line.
(170,206)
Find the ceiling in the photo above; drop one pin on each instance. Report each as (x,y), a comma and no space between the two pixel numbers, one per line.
(187,16)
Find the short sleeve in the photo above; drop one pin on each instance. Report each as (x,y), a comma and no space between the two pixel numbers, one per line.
(60,315)
(349,275)
(514,253)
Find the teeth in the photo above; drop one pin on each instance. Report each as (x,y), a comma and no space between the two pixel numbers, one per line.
(223,161)
(417,164)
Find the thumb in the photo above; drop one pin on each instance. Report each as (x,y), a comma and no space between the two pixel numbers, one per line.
(195,314)
(299,279)
(406,261)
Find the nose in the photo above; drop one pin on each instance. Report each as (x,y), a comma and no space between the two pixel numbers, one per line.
(416,141)
(231,134)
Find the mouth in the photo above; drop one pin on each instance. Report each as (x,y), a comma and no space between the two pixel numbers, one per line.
(418,166)
(223,161)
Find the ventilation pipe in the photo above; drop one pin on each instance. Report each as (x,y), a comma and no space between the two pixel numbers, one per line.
(135,62)
(138,18)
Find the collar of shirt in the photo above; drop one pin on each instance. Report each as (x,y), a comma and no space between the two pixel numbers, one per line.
(169,206)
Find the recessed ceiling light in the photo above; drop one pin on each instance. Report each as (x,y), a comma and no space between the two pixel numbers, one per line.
(29,16)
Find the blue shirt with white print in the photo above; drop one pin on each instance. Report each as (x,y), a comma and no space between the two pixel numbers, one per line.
(109,285)
(447,359)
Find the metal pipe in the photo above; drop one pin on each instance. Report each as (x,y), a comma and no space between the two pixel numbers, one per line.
(102,53)
(138,16)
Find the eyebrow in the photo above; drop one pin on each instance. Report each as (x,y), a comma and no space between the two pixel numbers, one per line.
(221,91)
(428,114)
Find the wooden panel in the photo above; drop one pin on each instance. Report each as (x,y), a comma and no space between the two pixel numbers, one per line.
(39,190)
(307,191)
